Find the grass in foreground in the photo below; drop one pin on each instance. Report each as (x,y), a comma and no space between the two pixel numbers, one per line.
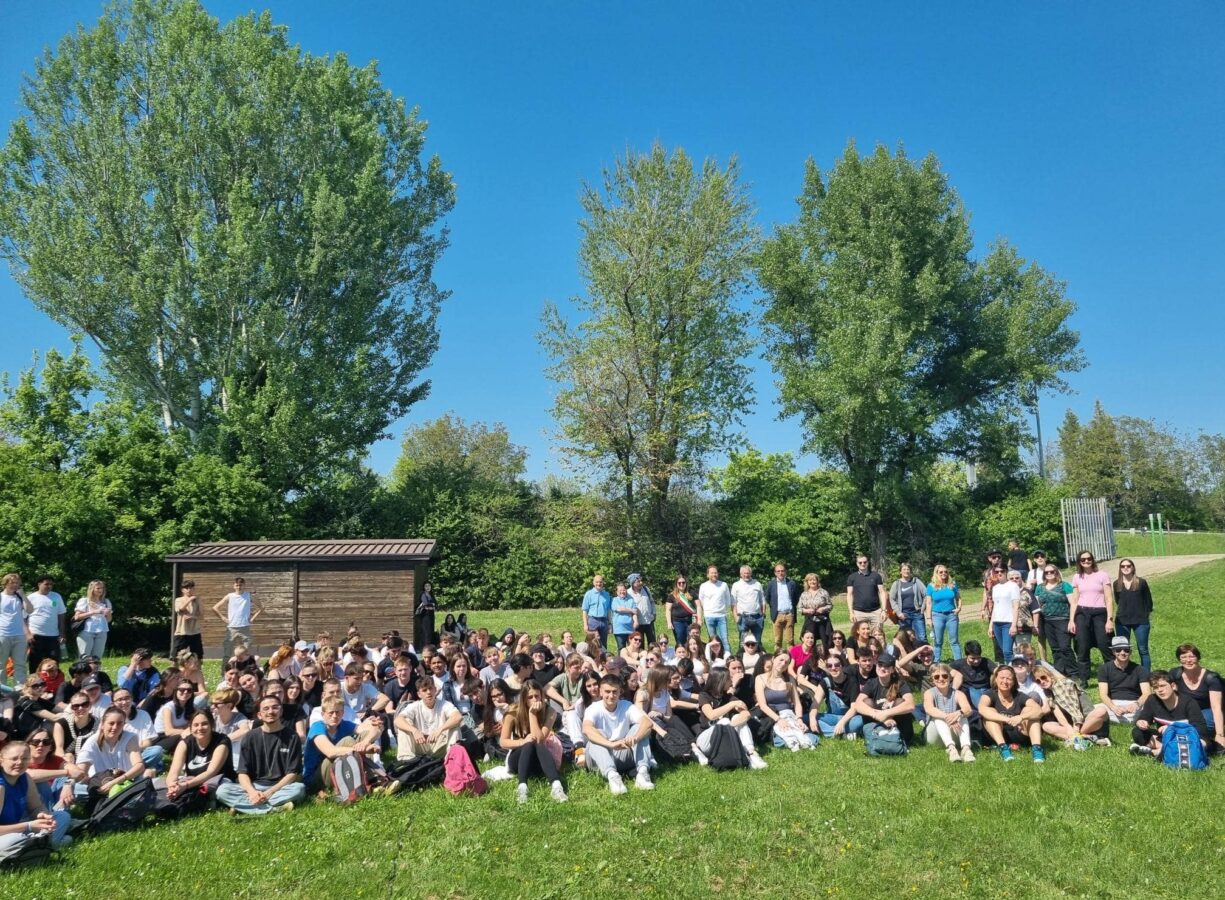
(831,823)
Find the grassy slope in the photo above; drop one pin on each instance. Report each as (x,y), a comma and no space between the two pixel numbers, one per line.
(1175,544)
(827,823)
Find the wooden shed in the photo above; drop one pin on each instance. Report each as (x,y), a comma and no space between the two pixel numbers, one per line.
(310,586)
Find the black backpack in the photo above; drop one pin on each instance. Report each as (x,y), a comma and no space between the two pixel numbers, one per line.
(726,751)
(675,745)
(124,810)
(419,773)
(35,849)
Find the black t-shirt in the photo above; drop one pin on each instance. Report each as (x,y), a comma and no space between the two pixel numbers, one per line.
(65,691)
(200,758)
(314,696)
(1123,684)
(878,693)
(1185,709)
(977,677)
(705,698)
(270,757)
(1210,682)
(1007,709)
(847,691)
(1019,560)
(543,676)
(864,588)
(396,693)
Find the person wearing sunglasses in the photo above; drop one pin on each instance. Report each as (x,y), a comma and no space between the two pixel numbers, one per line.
(1052,594)
(48,770)
(1133,602)
(948,715)
(1122,684)
(23,817)
(1092,613)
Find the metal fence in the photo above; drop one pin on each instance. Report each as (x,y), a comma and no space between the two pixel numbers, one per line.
(1088,524)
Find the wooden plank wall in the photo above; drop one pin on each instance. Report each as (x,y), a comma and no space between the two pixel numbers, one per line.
(271,584)
(376,596)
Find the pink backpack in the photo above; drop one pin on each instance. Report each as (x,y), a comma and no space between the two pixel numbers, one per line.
(462,777)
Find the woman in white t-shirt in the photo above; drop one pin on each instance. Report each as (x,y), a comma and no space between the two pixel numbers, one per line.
(93,614)
(1005,607)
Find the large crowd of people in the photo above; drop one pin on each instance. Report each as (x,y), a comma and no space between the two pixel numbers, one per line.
(671,689)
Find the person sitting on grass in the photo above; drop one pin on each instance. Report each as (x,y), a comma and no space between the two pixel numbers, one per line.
(494,668)
(1010,717)
(1163,707)
(23,816)
(1122,684)
(172,725)
(778,699)
(838,688)
(655,699)
(1069,715)
(532,747)
(720,706)
(566,690)
(948,715)
(269,767)
(972,673)
(1204,686)
(617,733)
(427,726)
(884,701)
(139,676)
(201,760)
(109,757)
(332,738)
(49,771)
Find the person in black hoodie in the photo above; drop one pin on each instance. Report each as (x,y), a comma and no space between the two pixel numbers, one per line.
(1163,707)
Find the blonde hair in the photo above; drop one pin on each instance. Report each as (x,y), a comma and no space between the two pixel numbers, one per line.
(948,576)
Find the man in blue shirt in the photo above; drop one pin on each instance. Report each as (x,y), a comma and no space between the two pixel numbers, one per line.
(783,596)
(596,606)
(139,677)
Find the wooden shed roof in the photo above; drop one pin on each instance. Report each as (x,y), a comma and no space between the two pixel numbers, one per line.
(394,549)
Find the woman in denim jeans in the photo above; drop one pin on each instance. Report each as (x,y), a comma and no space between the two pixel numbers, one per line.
(1133,603)
(944,611)
(838,689)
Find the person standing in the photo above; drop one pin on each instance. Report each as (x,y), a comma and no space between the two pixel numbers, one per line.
(641,595)
(1052,595)
(423,614)
(240,613)
(866,598)
(47,622)
(750,602)
(908,597)
(815,605)
(269,766)
(944,611)
(14,635)
(783,598)
(714,601)
(1018,559)
(597,603)
(1092,611)
(93,613)
(680,610)
(187,622)
(1133,602)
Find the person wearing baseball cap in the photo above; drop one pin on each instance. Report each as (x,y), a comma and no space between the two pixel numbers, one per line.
(884,702)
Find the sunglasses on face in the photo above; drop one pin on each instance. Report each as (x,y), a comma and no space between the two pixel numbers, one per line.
(1086,559)
(39,742)
(1126,566)
(940,678)
(78,706)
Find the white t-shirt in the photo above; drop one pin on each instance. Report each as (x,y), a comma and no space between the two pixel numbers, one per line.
(45,610)
(1005,597)
(97,758)
(239,610)
(94,624)
(715,598)
(428,721)
(616,724)
(141,725)
(748,596)
(366,693)
(347,716)
(12,616)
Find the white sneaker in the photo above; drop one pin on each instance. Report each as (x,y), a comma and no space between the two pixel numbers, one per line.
(521,794)
(643,782)
(756,762)
(699,755)
(616,784)
(954,756)
(967,755)
(850,736)
(558,793)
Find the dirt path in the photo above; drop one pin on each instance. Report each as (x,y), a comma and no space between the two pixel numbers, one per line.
(1147,566)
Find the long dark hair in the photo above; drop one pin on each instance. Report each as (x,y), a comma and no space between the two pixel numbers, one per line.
(718,683)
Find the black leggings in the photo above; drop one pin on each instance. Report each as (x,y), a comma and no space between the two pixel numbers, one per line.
(1090,633)
(532,759)
(1056,633)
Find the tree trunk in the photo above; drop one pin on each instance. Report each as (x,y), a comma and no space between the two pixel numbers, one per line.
(878,540)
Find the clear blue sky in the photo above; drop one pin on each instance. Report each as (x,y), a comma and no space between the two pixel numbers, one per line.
(1088,134)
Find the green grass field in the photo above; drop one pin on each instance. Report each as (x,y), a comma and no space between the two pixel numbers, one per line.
(1129,544)
(831,823)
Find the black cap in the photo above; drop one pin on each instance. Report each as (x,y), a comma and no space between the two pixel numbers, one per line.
(886,659)
(995,552)
(91,681)
(1041,553)
(541,648)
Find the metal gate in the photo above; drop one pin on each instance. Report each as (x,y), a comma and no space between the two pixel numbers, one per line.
(1088,524)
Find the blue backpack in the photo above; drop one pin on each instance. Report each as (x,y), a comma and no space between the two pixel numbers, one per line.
(1181,747)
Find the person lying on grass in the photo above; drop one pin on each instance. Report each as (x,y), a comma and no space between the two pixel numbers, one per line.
(1010,717)
(531,745)
(617,735)
(1162,708)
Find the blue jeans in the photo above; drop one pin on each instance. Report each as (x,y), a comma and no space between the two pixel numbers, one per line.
(600,627)
(717,626)
(232,795)
(681,631)
(1000,630)
(622,640)
(915,621)
(837,709)
(748,624)
(943,622)
(1141,631)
